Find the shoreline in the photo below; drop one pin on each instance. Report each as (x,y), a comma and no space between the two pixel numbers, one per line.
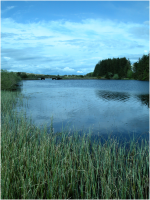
(84,79)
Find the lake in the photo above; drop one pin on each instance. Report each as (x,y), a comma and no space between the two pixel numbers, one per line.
(120,107)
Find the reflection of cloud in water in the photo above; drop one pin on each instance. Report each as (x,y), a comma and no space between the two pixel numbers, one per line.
(117,96)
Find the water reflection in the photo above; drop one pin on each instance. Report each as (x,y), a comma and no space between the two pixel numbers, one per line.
(117,107)
(109,96)
(122,96)
(144,98)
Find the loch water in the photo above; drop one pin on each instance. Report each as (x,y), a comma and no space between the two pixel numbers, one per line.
(101,107)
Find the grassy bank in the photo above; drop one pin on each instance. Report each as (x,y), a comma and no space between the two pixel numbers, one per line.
(9,80)
(40,166)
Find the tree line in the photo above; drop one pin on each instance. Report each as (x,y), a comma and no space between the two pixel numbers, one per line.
(119,68)
(113,68)
(141,68)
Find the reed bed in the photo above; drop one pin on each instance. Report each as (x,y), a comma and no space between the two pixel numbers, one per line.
(37,165)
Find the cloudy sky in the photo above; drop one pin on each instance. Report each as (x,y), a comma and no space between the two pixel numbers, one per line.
(71,37)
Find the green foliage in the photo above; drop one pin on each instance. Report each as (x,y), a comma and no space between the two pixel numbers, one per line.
(110,74)
(31,76)
(129,73)
(99,77)
(115,76)
(9,80)
(23,75)
(122,67)
(109,67)
(145,75)
(107,76)
(19,74)
(141,68)
(89,74)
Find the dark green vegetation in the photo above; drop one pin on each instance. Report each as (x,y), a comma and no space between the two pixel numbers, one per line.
(141,68)
(81,77)
(27,76)
(41,165)
(90,74)
(109,68)
(9,80)
(120,68)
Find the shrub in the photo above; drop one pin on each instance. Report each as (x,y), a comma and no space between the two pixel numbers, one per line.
(24,75)
(9,80)
(115,76)
(129,73)
(109,75)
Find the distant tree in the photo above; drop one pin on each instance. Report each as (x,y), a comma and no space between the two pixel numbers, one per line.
(107,76)
(23,75)
(89,74)
(141,68)
(129,73)
(115,76)
(19,74)
(118,66)
(96,70)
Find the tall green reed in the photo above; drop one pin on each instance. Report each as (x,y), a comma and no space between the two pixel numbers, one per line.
(9,80)
(61,165)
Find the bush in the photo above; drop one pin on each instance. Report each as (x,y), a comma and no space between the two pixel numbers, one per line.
(24,75)
(99,77)
(129,73)
(9,80)
(107,76)
(115,76)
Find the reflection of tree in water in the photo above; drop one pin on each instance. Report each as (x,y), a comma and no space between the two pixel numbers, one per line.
(122,96)
(108,95)
(144,98)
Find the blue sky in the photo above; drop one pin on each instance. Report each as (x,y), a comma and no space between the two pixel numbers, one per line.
(71,37)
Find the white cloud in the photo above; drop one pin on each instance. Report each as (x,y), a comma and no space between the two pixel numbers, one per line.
(7,58)
(68,69)
(64,43)
(79,72)
(145,52)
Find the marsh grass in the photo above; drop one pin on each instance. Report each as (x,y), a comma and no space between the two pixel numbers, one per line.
(9,80)
(37,165)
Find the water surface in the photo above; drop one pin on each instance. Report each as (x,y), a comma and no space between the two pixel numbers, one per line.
(101,106)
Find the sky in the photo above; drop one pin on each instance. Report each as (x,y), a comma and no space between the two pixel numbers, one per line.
(71,37)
